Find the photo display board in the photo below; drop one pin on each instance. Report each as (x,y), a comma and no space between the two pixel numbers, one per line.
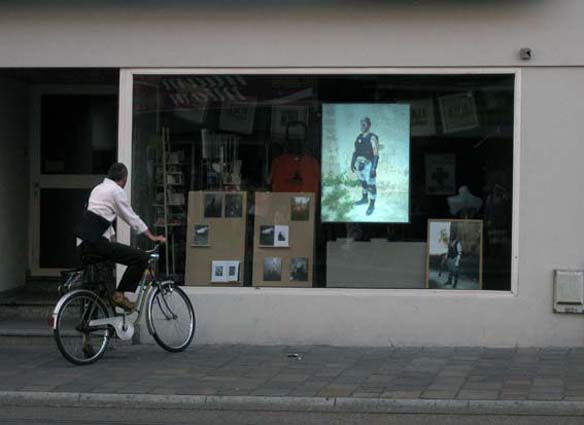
(215,249)
(365,157)
(283,239)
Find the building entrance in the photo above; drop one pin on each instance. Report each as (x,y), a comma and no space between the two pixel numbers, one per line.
(73,142)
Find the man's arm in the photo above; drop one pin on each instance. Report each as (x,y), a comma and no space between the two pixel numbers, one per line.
(125,212)
(375,161)
(458,253)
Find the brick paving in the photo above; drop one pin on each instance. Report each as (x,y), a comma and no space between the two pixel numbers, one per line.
(316,371)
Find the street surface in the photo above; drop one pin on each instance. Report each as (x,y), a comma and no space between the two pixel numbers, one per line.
(99,416)
(236,384)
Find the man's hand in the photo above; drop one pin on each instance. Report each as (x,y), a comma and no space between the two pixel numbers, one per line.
(155,238)
(160,239)
(373,173)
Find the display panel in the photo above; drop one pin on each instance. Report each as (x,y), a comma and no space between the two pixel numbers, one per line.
(365,163)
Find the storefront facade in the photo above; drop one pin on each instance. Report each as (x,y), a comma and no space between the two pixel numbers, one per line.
(472,166)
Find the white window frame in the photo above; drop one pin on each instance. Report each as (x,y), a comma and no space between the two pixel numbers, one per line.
(125,148)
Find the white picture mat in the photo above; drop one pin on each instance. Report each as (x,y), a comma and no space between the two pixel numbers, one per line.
(218,265)
(281,230)
(225,266)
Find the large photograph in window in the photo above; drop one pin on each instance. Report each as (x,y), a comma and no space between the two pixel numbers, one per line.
(365,163)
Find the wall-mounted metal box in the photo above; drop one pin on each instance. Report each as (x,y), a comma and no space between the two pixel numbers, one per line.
(569,291)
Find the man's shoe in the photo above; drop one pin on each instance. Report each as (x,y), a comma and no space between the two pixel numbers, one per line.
(121,301)
(362,201)
(371,207)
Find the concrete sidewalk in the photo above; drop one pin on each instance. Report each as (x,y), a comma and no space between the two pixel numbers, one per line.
(544,381)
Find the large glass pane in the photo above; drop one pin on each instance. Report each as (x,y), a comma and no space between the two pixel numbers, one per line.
(78,133)
(360,181)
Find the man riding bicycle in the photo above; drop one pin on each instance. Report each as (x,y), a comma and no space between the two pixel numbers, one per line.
(107,201)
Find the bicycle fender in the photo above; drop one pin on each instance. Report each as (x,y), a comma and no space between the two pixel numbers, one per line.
(64,299)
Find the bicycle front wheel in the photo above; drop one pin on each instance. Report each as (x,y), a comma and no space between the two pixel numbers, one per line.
(77,340)
(171,318)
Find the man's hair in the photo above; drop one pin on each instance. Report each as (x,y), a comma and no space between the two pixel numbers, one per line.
(117,172)
(367,120)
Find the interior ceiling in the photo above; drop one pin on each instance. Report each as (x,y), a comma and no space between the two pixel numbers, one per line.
(63,75)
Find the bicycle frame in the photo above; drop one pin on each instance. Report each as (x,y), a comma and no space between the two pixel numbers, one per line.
(122,324)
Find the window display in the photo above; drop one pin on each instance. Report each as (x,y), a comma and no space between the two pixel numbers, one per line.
(340,181)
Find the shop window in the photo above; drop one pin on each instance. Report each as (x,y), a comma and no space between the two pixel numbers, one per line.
(356,181)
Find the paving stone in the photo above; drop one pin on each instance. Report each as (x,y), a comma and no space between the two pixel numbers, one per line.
(479,386)
(477,395)
(512,396)
(337,391)
(438,394)
(289,378)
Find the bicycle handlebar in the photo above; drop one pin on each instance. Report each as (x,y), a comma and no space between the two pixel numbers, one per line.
(154,250)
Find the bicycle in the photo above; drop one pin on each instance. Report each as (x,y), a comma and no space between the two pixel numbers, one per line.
(84,319)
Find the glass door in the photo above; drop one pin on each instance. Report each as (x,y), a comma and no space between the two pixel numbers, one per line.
(73,143)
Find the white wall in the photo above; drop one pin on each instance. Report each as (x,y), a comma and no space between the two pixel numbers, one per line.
(193,33)
(14,187)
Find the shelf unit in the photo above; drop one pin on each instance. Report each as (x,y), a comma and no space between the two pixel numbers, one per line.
(169,205)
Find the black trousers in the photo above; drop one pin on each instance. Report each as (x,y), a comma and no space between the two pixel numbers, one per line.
(135,259)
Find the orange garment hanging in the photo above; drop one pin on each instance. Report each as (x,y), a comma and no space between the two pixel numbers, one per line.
(295,173)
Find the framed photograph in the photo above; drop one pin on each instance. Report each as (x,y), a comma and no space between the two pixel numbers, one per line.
(238,116)
(440,174)
(267,235)
(201,235)
(233,205)
(218,271)
(298,269)
(458,112)
(232,269)
(272,269)
(454,254)
(289,118)
(282,236)
(422,120)
(213,205)
(300,208)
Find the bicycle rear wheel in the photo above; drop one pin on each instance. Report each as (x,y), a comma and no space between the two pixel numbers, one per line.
(77,341)
(171,318)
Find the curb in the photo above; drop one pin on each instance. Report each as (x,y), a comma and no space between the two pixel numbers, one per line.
(304,404)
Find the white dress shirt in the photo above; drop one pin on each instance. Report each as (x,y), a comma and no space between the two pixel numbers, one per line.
(109,201)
